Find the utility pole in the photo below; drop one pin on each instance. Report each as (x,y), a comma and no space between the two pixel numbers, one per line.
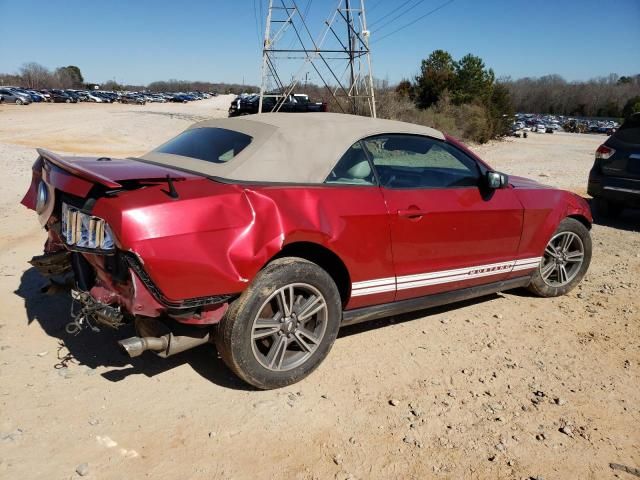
(351,45)
(288,39)
(265,48)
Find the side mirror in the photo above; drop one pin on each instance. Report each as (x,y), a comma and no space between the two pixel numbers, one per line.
(496,180)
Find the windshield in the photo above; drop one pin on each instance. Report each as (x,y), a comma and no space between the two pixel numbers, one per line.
(215,145)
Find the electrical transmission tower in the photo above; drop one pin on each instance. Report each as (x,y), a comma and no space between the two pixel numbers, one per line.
(338,56)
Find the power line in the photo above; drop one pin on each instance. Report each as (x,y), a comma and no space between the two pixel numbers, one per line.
(386,24)
(375,5)
(375,22)
(414,21)
(255,18)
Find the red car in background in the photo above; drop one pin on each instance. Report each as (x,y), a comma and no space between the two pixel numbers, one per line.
(266,233)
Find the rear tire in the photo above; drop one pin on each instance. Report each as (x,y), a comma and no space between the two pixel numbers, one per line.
(282,326)
(565,261)
(607,208)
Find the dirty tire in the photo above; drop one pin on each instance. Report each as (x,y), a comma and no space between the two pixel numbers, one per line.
(234,336)
(540,287)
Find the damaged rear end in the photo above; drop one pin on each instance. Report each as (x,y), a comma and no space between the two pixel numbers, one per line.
(117,229)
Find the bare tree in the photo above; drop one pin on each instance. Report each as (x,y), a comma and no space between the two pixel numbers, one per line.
(35,75)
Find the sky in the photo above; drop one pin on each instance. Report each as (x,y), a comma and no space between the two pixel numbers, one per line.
(139,41)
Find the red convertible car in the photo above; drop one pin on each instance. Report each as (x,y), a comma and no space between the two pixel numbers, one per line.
(266,233)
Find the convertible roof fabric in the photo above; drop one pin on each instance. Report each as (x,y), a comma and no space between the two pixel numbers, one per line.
(289,147)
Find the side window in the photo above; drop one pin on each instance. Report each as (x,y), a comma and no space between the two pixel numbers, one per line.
(413,161)
(353,168)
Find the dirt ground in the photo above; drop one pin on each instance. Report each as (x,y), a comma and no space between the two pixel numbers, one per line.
(505,387)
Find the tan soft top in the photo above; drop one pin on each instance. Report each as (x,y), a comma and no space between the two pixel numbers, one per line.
(289,147)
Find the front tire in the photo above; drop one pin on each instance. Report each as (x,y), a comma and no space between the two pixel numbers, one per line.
(18,101)
(565,262)
(282,326)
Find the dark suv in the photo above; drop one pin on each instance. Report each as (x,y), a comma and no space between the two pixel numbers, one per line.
(614,180)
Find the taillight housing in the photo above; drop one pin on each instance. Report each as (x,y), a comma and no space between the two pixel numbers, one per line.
(604,153)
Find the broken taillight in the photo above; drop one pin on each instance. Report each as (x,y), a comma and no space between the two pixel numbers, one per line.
(85,231)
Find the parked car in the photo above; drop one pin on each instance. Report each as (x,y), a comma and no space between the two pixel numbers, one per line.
(267,234)
(35,96)
(614,180)
(13,96)
(90,97)
(58,96)
(297,103)
(178,98)
(136,99)
(74,95)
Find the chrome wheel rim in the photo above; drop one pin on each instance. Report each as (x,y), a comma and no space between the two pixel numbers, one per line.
(562,259)
(289,327)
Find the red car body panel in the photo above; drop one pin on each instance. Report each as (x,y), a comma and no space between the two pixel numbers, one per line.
(458,228)
(215,237)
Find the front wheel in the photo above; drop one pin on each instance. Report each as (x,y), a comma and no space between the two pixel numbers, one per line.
(565,262)
(18,101)
(282,327)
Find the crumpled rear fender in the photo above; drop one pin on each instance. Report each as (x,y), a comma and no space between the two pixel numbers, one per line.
(215,237)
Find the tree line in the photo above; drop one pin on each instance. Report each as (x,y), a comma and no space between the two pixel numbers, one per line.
(35,76)
(610,96)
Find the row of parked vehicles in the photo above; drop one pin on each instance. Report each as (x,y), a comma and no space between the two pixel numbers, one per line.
(249,104)
(25,96)
(529,122)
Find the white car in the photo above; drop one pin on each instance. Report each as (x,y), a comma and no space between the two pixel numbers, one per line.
(93,98)
(540,128)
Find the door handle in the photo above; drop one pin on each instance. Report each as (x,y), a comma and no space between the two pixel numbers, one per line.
(412,213)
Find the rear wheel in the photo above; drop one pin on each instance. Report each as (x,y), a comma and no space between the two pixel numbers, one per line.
(566,259)
(282,326)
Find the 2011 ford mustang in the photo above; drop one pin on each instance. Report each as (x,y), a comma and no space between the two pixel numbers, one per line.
(266,233)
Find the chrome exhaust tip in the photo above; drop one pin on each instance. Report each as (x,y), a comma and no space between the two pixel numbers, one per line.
(135,346)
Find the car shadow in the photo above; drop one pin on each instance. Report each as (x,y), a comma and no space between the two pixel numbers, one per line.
(51,306)
(628,220)
(407,317)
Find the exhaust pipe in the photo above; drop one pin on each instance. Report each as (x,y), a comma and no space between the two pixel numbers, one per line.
(163,346)
(134,346)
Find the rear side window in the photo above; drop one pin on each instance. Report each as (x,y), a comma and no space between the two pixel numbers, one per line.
(353,168)
(215,145)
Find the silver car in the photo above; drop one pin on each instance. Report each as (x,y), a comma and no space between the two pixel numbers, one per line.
(12,96)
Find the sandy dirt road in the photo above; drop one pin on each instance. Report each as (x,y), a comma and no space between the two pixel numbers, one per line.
(506,387)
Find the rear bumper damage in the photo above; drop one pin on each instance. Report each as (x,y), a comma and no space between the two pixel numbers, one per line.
(120,281)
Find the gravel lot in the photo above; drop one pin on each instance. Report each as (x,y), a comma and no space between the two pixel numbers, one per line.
(506,387)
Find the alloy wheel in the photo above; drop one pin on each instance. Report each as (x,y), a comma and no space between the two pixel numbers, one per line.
(563,258)
(289,327)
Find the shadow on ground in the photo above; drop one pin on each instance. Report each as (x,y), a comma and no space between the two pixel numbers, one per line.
(628,220)
(99,349)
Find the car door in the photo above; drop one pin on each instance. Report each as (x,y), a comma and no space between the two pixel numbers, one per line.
(447,231)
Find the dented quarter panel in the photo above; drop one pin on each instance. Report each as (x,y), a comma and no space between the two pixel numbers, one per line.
(231,231)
